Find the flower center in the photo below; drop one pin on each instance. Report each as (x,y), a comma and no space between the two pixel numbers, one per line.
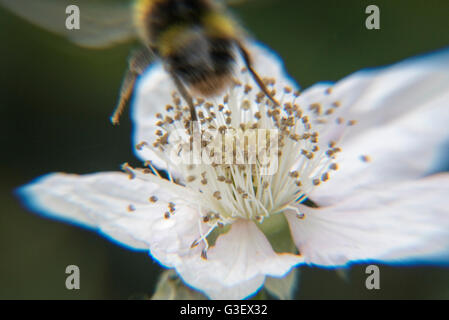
(245,157)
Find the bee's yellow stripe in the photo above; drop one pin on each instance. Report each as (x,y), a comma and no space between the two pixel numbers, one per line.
(214,23)
(219,24)
(173,38)
(141,10)
(144,5)
(141,7)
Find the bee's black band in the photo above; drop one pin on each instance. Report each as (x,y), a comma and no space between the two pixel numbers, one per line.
(192,69)
(167,13)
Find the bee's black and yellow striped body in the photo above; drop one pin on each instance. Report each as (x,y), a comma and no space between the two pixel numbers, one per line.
(195,39)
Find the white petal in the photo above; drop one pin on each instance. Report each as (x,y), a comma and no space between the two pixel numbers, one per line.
(102,201)
(268,63)
(237,265)
(239,291)
(154,91)
(394,224)
(402,113)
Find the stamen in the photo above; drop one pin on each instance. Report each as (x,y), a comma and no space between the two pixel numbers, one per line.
(365,158)
(128,169)
(234,178)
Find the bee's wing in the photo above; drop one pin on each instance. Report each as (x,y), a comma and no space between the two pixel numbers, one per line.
(102,22)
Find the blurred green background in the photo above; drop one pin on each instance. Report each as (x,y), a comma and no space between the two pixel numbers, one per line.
(55,103)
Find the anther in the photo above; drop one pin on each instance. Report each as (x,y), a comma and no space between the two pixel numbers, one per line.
(333,166)
(365,158)
(315,107)
(246,105)
(128,169)
(294,174)
(140,145)
(300,216)
(204,254)
(194,244)
(336,104)
(199,101)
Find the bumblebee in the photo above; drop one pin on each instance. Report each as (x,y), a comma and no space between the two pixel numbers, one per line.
(196,40)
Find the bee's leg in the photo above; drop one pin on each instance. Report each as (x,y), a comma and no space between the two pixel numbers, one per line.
(125,93)
(247,59)
(137,63)
(185,94)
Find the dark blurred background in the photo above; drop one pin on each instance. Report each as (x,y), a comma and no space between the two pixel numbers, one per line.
(55,103)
